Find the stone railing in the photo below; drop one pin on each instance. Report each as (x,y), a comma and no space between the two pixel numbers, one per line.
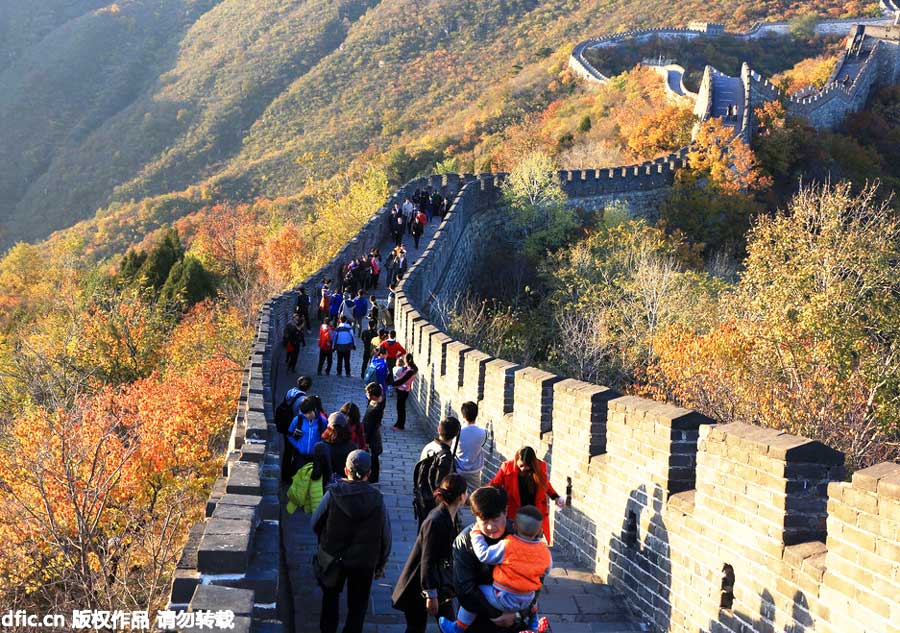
(701,526)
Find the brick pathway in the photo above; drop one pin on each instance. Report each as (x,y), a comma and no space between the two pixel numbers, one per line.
(574,600)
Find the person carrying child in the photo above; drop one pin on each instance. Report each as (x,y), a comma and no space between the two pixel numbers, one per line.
(521,560)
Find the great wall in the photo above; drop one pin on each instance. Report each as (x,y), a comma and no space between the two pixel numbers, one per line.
(872,59)
(702,527)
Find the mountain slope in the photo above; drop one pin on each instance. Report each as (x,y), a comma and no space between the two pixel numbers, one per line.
(137,99)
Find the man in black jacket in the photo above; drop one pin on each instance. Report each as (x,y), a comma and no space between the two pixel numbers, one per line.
(488,504)
(352,525)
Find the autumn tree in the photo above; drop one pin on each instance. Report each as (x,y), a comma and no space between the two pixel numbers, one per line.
(540,219)
(712,200)
(611,292)
(661,131)
(810,343)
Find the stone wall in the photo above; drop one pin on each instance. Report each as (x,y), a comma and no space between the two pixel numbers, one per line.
(703,527)
(824,109)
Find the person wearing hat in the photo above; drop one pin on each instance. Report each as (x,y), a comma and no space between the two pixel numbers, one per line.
(354,533)
(331,453)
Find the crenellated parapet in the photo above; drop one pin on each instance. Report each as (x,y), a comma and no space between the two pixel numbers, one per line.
(702,526)
(874,61)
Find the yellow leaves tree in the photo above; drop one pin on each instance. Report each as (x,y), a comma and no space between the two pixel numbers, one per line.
(812,334)
(660,132)
(97,499)
(281,256)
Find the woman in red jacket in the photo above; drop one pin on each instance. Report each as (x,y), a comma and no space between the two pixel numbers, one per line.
(526,483)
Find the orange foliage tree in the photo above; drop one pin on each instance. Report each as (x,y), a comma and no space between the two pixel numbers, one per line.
(97,498)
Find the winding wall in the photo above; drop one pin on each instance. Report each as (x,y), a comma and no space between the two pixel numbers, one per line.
(662,499)
(823,109)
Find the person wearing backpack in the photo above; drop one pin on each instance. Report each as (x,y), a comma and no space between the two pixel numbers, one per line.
(435,462)
(284,415)
(372,426)
(344,344)
(306,431)
(326,347)
(331,453)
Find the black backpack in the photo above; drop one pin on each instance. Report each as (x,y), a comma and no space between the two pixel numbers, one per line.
(284,413)
(427,475)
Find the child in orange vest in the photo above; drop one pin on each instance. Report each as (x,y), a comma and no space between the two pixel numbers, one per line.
(521,560)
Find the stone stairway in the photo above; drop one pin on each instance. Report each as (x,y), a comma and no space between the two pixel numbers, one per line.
(573,599)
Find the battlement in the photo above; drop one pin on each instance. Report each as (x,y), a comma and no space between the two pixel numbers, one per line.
(824,108)
(682,497)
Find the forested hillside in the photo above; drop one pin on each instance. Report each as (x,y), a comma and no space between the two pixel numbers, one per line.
(106,105)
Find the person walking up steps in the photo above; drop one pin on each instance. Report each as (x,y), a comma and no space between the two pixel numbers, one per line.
(354,423)
(470,452)
(367,337)
(303,303)
(418,227)
(354,544)
(527,484)
(435,463)
(294,398)
(377,371)
(293,334)
(404,376)
(330,455)
(360,308)
(425,586)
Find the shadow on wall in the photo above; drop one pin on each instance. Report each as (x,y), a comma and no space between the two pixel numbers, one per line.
(634,554)
(730,620)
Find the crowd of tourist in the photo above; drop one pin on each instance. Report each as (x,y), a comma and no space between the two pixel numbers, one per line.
(331,465)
